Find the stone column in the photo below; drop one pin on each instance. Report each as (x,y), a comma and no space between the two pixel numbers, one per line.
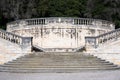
(26,44)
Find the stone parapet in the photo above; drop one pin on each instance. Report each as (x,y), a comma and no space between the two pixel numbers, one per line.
(42,22)
(95,42)
(24,42)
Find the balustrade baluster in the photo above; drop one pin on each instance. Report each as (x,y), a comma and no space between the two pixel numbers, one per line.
(101,39)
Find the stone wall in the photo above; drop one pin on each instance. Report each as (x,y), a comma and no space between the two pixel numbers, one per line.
(59,32)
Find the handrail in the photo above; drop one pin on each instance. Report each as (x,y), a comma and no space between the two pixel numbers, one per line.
(19,40)
(102,39)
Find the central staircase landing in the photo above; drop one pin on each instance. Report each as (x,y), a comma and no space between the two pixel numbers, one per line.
(57,62)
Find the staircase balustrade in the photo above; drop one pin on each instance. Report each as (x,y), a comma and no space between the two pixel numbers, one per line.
(102,39)
(16,39)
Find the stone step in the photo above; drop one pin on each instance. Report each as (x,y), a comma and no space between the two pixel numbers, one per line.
(56,54)
(55,70)
(12,64)
(46,62)
(53,67)
(43,55)
(17,64)
(57,58)
(57,62)
(60,66)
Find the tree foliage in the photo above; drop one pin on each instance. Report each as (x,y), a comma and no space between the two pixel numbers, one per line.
(21,9)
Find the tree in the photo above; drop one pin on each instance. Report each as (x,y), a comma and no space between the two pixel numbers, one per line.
(104,9)
(22,9)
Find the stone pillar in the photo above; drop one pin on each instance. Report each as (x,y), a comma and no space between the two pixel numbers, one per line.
(90,43)
(26,44)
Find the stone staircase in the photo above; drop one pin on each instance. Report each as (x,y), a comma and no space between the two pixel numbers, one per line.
(105,46)
(13,46)
(56,62)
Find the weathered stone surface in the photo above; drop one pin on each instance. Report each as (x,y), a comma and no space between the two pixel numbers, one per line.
(59,32)
(65,34)
(57,62)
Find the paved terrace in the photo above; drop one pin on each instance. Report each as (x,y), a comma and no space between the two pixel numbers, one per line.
(87,75)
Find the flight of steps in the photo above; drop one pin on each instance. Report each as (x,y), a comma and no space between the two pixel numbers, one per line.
(56,62)
(9,51)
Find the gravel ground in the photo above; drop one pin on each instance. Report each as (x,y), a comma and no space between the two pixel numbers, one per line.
(85,75)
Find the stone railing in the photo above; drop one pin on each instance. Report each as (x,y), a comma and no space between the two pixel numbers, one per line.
(94,22)
(37,21)
(95,42)
(16,25)
(24,42)
(70,20)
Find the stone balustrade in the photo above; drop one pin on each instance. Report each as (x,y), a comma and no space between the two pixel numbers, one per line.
(35,21)
(73,21)
(93,22)
(101,39)
(16,39)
